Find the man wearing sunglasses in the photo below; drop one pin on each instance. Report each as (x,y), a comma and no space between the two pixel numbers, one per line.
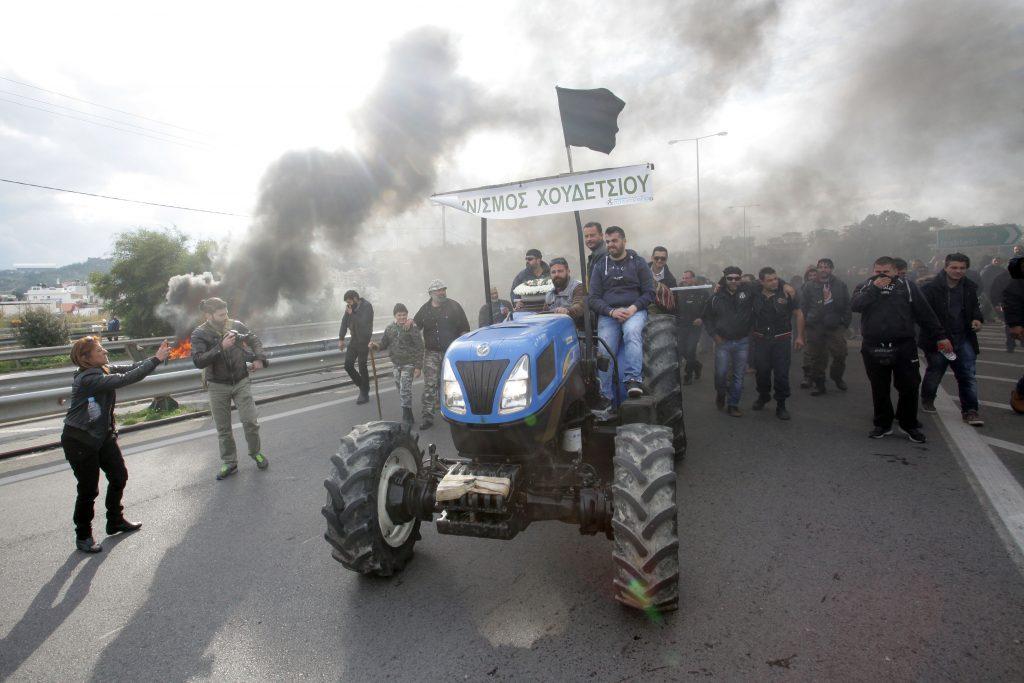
(659,267)
(729,318)
(535,269)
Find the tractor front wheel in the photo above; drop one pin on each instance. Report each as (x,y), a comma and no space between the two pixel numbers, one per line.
(362,535)
(646,548)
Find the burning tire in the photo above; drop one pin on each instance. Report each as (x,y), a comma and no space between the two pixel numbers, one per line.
(646,547)
(661,376)
(361,533)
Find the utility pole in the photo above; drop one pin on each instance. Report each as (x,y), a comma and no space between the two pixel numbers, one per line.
(743,234)
(696,141)
(444,231)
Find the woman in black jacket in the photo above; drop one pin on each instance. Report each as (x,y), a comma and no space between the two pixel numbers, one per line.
(90,436)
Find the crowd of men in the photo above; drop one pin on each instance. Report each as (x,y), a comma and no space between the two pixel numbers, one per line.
(749,320)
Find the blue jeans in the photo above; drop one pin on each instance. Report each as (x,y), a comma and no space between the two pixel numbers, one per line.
(731,352)
(963,370)
(626,341)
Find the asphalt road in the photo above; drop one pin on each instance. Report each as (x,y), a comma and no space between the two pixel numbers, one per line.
(807,551)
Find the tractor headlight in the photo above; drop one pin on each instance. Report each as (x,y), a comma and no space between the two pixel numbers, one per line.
(453,398)
(515,395)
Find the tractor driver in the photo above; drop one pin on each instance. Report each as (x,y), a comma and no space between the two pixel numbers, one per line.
(567,295)
(621,289)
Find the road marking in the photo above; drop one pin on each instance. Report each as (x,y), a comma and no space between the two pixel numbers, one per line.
(995,362)
(999,492)
(1007,445)
(996,379)
(142,448)
(994,348)
(993,404)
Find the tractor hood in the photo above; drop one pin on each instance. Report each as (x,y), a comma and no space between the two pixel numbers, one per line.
(477,382)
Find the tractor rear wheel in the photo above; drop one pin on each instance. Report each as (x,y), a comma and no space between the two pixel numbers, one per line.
(646,548)
(362,535)
(661,376)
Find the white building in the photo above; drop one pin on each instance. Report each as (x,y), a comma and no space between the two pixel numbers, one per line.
(66,293)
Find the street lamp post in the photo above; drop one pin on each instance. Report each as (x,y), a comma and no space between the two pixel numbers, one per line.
(696,146)
(746,241)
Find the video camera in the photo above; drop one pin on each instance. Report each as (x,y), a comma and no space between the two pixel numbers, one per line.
(1016,267)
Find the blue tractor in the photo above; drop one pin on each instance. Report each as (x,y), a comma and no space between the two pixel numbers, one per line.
(533,444)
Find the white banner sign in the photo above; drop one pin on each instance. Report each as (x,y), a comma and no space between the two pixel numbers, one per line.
(599,189)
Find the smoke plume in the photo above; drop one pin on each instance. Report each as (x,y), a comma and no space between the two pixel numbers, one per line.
(313,204)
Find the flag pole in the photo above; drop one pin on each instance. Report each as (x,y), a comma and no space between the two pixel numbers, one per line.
(588,342)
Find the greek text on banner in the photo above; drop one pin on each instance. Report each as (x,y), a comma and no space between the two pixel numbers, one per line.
(558,194)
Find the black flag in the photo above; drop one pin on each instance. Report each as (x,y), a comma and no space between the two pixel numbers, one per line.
(589,117)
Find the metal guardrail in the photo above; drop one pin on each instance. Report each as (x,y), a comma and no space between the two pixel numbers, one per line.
(19,383)
(267,333)
(176,378)
(54,401)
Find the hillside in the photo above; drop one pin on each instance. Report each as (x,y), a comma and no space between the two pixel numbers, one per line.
(17,281)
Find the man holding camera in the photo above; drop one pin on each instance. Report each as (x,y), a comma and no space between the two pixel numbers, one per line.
(889,307)
(222,347)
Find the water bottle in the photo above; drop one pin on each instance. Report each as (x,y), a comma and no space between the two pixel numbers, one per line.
(94,409)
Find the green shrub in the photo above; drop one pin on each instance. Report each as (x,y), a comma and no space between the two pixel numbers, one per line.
(42,328)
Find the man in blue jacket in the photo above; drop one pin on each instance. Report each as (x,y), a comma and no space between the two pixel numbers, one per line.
(622,287)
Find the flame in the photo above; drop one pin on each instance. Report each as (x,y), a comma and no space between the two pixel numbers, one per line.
(183,349)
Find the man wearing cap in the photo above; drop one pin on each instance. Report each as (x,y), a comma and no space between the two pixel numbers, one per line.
(442,321)
(535,269)
(567,296)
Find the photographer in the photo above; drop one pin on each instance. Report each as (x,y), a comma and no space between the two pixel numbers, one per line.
(90,435)
(221,347)
(889,308)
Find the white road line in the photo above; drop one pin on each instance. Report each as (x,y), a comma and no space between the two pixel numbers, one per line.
(996,379)
(142,448)
(995,486)
(993,348)
(995,362)
(1007,445)
(990,404)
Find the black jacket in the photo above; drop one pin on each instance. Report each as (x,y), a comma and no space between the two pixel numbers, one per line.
(525,275)
(669,280)
(819,314)
(731,316)
(359,322)
(224,366)
(936,291)
(888,315)
(593,256)
(1012,300)
(102,386)
(491,313)
(441,325)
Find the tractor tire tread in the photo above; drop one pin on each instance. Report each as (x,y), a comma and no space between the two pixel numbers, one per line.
(646,534)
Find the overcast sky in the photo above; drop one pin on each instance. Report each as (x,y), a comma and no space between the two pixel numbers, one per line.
(833,110)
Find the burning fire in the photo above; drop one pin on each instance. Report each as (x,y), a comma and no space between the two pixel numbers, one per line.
(183,349)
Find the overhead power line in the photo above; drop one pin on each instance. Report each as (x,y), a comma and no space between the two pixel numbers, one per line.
(104,125)
(97,116)
(122,199)
(101,106)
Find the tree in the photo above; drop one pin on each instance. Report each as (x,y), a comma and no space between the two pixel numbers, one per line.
(42,328)
(144,260)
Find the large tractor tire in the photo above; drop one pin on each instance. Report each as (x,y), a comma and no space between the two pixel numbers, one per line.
(361,534)
(661,376)
(646,548)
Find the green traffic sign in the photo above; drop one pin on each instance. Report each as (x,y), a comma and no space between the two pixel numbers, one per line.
(978,236)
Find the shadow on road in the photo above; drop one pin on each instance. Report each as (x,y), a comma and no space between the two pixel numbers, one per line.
(198,584)
(43,617)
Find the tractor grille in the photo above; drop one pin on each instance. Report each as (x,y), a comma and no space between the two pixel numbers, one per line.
(481,378)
